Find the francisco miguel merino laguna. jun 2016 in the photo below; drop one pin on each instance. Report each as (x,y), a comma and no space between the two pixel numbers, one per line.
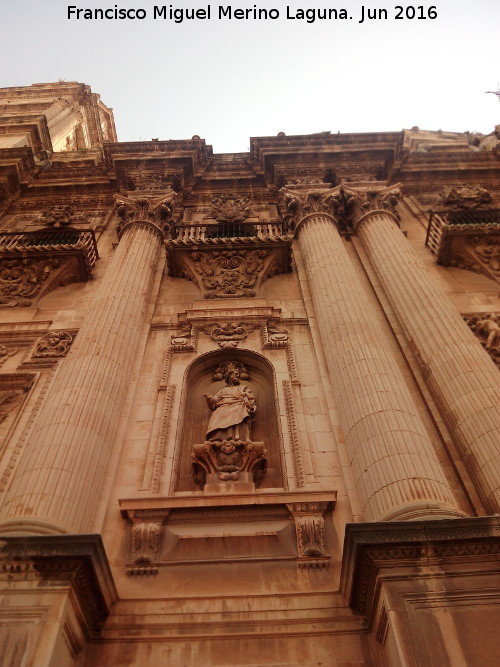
(255,13)
(218,12)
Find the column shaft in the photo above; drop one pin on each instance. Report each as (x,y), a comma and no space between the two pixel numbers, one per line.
(461,376)
(395,465)
(61,474)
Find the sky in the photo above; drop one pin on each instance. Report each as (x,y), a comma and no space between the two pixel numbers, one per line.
(227,79)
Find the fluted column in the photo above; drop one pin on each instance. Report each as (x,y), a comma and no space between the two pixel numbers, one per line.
(61,475)
(461,376)
(397,471)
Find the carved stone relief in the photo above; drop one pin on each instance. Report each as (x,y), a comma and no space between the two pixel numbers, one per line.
(473,253)
(273,336)
(228,334)
(185,341)
(21,280)
(229,273)
(486,326)
(54,344)
(465,196)
(60,215)
(230,207)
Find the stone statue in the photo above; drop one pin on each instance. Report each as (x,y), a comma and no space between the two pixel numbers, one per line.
(232,407)
(489,328)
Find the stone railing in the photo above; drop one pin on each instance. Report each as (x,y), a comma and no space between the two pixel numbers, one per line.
(224,230)
(481,222)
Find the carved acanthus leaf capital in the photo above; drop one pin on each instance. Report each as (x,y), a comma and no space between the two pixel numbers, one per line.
(347,205)
(144,209)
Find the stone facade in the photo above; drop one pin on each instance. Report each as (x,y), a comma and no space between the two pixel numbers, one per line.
(250,402)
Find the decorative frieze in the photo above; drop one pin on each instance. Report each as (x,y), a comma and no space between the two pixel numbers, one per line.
(465,196)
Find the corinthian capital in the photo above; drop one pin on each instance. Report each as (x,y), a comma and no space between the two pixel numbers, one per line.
(347,205)
(156,211)
(298,204)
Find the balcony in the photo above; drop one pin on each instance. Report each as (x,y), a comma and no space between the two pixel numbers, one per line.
(467,239)
(34,263)
(229,259)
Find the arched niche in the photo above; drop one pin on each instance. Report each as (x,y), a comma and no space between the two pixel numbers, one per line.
(196,414)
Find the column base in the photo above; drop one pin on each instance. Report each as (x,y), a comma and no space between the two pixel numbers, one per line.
(423,511)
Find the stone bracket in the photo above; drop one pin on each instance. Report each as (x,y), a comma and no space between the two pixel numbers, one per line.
(310,534)
(145,541)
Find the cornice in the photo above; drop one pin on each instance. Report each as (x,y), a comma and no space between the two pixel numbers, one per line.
(78,561)
(372,550)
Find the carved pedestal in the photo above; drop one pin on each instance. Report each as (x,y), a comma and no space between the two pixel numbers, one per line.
(226,466)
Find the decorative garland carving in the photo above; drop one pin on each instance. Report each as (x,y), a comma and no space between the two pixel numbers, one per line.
(310,534)
(228,334)
(21,280)
(486,327)
(298,466)
(54,344)
(229,273)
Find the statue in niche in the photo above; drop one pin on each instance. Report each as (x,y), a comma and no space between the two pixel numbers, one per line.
(228,452)
(233,406)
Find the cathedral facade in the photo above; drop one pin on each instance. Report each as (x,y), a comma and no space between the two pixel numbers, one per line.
(250,402)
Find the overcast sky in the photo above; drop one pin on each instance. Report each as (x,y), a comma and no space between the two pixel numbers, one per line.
(227,80)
